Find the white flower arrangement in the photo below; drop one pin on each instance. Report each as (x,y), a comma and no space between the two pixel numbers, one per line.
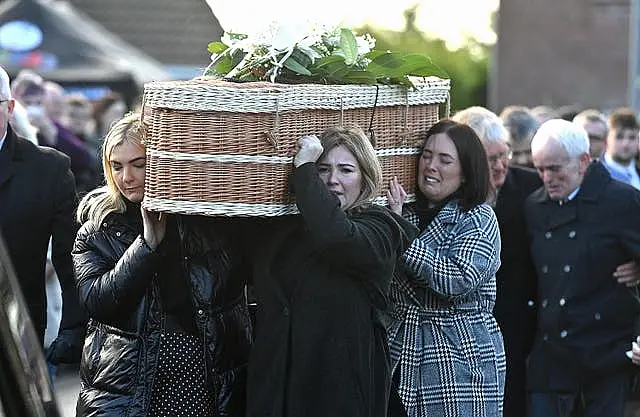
(297,54)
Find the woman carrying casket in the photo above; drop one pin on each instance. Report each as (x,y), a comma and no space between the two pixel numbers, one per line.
(169,331)
(322,280)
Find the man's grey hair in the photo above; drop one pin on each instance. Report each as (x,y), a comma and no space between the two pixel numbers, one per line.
(520,122)
(5,85)
(486,124)
(571,136)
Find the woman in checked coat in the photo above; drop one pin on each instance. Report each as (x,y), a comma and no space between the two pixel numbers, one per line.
(446,348)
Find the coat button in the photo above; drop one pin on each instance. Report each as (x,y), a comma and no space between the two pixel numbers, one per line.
(531,303)
(563,334)
(118,234)
(547,235)
(572,234)
(200,312)
(104,224)
(285,311)
(545,303)
(545,337)
(596,316)
(567,268)
(562,302)
(544,269)
(186,258)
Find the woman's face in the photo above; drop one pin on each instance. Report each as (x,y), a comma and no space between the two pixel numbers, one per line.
(341,172)
(439,169)
(127,163)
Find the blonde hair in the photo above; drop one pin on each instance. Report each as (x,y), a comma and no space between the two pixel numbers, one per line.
(355,140)
(97,204)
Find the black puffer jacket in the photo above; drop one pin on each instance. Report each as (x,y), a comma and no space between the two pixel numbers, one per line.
(117,277)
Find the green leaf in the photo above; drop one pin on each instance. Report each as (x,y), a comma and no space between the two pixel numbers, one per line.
(296,67)
(302,57)
(330,60)
(224,65)
(374,54)
(349,46)
(360,77)
(217,47)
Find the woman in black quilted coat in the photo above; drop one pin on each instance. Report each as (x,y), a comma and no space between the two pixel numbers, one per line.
(169,331)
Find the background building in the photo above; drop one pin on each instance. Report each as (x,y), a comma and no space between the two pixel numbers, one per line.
(561,53)
(174,32)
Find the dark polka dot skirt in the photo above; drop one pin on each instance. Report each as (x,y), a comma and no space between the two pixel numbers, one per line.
(180,388)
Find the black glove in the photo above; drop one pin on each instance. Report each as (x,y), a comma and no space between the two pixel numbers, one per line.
(67,347)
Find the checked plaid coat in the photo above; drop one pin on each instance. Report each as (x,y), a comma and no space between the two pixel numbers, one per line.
(444,340)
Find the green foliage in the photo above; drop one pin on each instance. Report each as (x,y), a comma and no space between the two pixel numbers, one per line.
(333,57)
(466,67)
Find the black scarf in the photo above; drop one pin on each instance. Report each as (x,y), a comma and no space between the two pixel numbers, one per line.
(427,211)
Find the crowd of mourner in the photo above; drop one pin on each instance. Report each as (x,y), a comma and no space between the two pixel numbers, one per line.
(508,287)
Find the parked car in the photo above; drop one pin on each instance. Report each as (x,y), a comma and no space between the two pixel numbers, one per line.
(25,387)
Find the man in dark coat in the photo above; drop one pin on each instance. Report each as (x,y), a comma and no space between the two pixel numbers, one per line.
(37,201)
(516,279)
(582,225)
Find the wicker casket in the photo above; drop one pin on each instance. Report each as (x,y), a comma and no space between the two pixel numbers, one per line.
(222,148)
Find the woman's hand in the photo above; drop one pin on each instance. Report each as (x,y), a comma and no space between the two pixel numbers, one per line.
(155,227)
(634,353)
(309,150)
(396,196)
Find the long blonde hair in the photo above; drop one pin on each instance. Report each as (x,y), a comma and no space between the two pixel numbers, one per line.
(97,204)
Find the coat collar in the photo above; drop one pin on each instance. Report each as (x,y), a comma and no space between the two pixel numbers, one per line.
(450,213)
(9,157)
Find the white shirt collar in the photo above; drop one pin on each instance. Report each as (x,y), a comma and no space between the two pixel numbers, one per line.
(570,196)
(2,140)
(631,168)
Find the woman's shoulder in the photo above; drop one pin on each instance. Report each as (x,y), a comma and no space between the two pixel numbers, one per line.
(482,217)
(381,214)
(93,227)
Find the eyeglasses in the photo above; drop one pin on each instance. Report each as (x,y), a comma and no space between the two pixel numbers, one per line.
(502,156)
(595,138)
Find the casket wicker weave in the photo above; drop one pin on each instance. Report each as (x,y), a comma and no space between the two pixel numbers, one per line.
(222,148)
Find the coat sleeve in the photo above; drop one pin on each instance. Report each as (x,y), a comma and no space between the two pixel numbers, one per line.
(469,261)
(369,240)
(109,291)
(63,232)
(630,229)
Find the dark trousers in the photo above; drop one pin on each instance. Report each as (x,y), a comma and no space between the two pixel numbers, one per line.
(601,398)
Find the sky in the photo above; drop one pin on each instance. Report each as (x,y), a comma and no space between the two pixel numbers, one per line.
(451,20)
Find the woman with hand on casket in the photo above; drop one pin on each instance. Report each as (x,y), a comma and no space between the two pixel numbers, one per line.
(445,344)
(169,332)
(322,281)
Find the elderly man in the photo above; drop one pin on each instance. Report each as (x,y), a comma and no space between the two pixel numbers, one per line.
(516,278)
(582,224)
(37,201)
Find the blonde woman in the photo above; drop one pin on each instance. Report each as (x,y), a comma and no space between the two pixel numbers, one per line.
(322,280)
(169,331)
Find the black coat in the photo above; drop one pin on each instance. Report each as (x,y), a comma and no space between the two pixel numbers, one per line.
(586,319)
(37,201)
(117,277)
(516,284)
(321,281)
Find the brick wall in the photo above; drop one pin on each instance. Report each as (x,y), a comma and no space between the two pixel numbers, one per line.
(560,52)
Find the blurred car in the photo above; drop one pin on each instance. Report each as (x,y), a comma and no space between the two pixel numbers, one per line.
(25,387)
